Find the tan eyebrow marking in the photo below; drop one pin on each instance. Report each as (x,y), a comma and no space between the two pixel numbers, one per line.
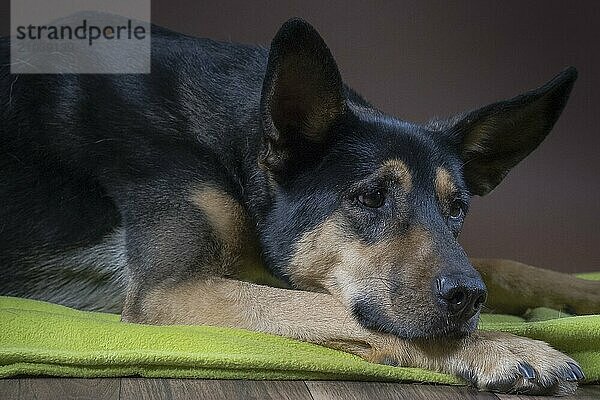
(444,186)
(398,169)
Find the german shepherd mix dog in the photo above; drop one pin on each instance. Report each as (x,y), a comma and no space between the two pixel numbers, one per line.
(245,187)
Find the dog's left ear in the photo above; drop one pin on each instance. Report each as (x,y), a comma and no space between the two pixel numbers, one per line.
(495,138)
(302,97)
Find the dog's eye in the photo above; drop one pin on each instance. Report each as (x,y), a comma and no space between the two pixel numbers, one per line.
(456,210)
(373,199)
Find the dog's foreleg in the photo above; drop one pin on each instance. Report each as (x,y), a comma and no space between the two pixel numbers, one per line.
(514,287)
(488,360)
(308,316)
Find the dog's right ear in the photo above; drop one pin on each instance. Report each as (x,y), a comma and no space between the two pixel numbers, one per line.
(302,98)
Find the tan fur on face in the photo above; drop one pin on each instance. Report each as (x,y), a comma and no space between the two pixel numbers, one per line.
(328,256)
(399,171)
(444,185)
(317,252)
(328,259)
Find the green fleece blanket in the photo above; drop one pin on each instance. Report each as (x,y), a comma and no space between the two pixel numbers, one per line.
(38,338)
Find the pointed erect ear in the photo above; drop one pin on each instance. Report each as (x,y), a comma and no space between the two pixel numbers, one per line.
(302,97)
(495,138)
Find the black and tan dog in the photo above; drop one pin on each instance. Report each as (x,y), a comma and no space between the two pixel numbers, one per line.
(246,187)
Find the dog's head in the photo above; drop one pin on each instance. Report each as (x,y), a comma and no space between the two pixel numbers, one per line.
(368,207)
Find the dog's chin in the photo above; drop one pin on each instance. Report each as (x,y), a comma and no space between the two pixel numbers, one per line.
(452,330)
(413,327)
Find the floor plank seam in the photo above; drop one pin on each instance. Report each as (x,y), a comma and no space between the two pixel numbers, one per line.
(308,389)
(120,387)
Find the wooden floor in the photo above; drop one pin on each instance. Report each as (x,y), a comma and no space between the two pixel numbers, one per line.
(159,389)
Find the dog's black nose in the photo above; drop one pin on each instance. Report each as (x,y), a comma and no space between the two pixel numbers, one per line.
(463,296)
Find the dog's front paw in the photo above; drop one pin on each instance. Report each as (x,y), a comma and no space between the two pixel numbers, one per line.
(492,361)
(507,363)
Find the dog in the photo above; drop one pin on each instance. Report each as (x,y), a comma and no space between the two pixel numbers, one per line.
(249,187)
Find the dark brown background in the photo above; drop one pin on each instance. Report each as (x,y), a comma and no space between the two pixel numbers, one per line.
(416,59)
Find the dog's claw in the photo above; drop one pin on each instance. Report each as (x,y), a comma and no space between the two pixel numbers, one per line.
(570,376)
(526,371)
(577,371)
